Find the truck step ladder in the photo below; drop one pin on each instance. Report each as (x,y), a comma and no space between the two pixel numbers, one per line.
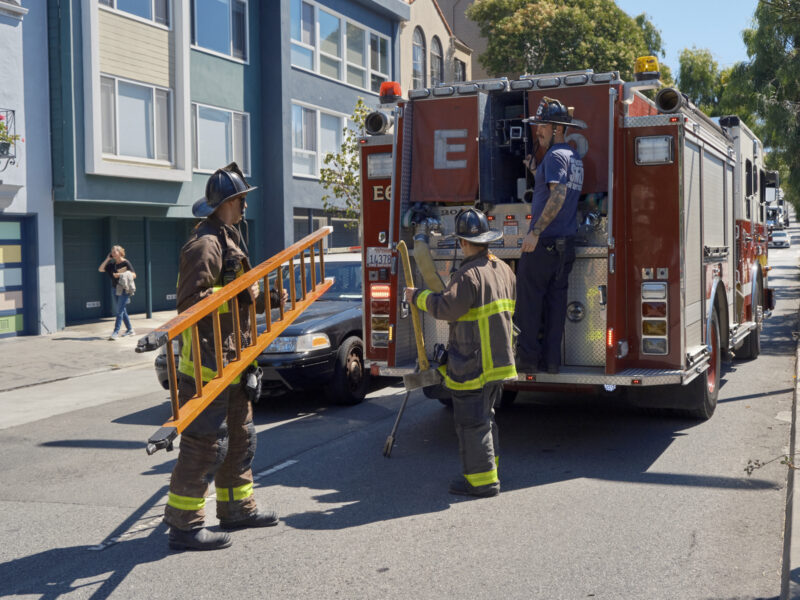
(184,414)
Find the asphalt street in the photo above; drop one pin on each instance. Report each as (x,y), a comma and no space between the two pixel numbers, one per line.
(599,500)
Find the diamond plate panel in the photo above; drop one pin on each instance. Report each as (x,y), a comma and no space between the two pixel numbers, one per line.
(585,340)
(597,376)
(648,121)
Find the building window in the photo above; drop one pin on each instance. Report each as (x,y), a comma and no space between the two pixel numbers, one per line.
(379,61)
(437,62)
(418,60)
(150,10)
(460,70)
(220,136)
(314,134)
(342,50)
(220,26)
(345,231)
(136,119)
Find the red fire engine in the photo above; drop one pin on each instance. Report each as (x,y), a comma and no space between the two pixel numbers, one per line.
(670,276)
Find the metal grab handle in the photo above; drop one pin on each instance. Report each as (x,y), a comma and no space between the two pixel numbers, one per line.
(603,289)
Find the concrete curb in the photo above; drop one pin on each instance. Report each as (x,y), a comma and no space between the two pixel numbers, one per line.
(791,547)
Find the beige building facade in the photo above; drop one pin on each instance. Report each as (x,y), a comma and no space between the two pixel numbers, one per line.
(431,52)
(467,31)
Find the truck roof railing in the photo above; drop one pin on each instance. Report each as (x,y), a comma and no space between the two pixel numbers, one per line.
(560,74)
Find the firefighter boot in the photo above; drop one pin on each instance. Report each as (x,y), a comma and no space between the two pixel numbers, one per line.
(257,519)
(198,539)
(462,487)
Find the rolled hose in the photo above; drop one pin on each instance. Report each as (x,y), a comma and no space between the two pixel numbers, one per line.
(422,256)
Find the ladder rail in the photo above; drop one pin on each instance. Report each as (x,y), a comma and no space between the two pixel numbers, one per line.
(183,414)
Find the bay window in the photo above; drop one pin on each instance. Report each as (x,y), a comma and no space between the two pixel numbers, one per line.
(315,133)
(149,10)
(220,26)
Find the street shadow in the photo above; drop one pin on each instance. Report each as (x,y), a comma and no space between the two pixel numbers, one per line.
(82,338)
(541,445)
(759,396)
(154,415)
(94,571)
(97,444)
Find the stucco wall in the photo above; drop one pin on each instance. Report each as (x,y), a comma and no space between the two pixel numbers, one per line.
(425,16)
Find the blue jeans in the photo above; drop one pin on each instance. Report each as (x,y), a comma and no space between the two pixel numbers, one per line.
(122,313)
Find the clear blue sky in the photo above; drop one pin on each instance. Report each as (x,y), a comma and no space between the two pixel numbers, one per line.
(709,24)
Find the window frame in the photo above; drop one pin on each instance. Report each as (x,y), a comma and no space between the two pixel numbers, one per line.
(193,33)
(170,109)
(422,54)
(459,70)
(316,50)
(436,42)
(129,15)
(319,153)
(194,116)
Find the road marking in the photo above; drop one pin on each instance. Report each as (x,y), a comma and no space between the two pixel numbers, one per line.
(153,522)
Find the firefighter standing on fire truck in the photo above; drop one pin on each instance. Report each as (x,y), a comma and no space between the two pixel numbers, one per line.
(548,251)
(220,443)
(479,304)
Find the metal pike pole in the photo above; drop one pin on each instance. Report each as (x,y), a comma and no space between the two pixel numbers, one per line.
(424,376)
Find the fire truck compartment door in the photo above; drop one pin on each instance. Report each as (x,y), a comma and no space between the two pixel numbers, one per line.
(445,150)
(585,326)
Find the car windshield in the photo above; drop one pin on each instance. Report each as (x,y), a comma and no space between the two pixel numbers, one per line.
(780,234)
(347,280)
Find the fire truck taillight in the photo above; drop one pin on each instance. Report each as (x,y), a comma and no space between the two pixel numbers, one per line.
(379,291)
(654,318)
(610,337)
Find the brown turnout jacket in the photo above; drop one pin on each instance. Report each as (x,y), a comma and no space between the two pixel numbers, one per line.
(210,258)
(479,304)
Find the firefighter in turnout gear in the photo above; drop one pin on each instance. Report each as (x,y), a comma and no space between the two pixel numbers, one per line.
(548,251)
(220,443)
(478,303)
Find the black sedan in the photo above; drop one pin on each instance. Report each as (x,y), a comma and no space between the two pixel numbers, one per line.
(323,348)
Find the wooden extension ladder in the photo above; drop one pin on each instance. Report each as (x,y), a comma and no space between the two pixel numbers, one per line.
(183,414)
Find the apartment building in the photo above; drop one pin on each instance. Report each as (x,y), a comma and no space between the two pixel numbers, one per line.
(148,97)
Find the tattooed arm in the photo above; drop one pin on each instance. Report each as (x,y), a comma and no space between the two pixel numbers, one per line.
(558,193)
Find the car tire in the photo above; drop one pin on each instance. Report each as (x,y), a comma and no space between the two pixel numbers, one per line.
(350,379)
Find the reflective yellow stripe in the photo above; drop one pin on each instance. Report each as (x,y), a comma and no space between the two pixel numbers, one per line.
(478,479)
(185,502)
(487,310)
(486,345)
(496,461)
(422,299)
(186,366)
(239,493)
(496,374)
(223,308)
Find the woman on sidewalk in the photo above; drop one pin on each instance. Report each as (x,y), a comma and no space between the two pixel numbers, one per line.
(115,264)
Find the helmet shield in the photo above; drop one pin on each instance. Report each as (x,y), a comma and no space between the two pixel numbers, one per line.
(473,226)
(224,184)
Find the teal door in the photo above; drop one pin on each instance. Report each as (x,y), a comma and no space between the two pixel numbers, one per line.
(86,292)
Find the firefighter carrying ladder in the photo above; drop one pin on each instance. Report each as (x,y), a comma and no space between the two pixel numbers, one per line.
(205,394)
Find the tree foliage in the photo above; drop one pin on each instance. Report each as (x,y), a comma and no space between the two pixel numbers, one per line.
(341,173)
(545,36)
(774,81)
(699,78)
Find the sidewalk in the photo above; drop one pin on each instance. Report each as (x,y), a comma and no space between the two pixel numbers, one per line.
(77,350)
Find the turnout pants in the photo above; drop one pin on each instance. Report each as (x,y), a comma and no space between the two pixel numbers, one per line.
(542,280)
(478,440)
(217,446)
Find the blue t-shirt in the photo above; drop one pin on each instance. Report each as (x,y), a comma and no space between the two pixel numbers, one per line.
(561,164)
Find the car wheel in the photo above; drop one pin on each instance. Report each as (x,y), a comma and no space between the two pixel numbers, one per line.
(350,379)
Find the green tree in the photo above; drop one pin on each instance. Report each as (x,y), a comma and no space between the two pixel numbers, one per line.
(542,36)
(341,175)
(774,71)
(699,78)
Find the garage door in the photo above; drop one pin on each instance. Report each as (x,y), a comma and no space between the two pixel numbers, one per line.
(12,296)
(166,240)
(86,292)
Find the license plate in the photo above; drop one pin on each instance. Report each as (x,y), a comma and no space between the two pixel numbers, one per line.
(379,257)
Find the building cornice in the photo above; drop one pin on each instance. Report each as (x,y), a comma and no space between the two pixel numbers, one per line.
(13,9)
